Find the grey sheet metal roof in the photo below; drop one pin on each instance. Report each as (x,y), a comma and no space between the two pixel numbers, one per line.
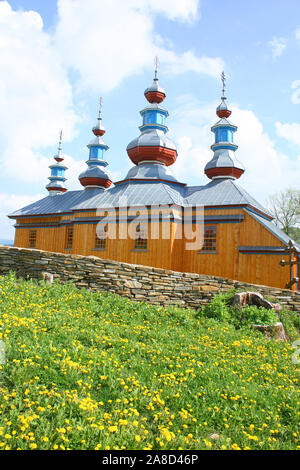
(135,194)
(151,171)
(221,192)
(269,225)
(216,193)
(60,204)
(152,138)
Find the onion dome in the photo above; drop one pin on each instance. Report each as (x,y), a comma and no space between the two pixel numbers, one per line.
(224,163)
(57,177)
(96,176)
(153,145)
(155,93)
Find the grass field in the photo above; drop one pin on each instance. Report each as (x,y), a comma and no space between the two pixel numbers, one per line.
(95,371)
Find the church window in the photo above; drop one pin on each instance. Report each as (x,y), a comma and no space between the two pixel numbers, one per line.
(210,238)
(32,239)
(69,238)
(140,242)
(100,240)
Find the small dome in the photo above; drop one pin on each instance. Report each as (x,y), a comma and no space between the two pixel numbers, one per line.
(155,93)
(224,164)
(95,176)
(222,110)
(99,130)
(56,186)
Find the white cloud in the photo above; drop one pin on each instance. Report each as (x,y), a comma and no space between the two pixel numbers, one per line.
(290,132)
(8,204)
(278,45)
(35,94)
(267,170)
(179,10)
(297,34)
(189,62)
(296,95)
(107,41)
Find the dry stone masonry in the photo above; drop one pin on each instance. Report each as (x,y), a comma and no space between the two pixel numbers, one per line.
(140,283)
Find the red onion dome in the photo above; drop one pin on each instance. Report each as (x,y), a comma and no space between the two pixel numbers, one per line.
(99,129)
(95,177)
(222,110)
(224,164)
(152,146)
(155,93)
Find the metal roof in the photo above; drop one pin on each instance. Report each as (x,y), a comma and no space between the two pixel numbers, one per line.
(152,138)
(151,171)
(269,225)
(221,192)
(224,158)
(59,204)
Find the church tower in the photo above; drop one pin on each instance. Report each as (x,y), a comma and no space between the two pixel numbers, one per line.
(152,152)
(96,175)
(224,163)
(57,177)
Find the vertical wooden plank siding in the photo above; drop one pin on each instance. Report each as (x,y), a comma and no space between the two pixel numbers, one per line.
(169,253)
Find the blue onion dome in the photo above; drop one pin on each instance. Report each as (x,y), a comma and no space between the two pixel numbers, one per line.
(57,176)
(96,175)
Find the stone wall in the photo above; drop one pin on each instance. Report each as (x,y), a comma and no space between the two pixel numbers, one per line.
(143,283)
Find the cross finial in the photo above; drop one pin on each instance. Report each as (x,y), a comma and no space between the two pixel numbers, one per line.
(156,63)
(60,140)
(223,78)
(100,106)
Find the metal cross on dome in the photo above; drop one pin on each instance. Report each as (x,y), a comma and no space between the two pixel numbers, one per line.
(100,106)
(223,78)
(156,63)
(60,140)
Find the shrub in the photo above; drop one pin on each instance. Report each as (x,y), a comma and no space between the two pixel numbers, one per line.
(221,309)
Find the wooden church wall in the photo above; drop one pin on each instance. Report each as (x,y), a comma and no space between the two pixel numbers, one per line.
(171,253)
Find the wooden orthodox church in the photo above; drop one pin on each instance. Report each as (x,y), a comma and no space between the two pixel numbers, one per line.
(151,218)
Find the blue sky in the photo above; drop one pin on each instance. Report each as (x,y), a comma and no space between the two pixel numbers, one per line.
(57,58)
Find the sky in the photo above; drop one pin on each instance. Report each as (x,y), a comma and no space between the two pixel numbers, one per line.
(58,57)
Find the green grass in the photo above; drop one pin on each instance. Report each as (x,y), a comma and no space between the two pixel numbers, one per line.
(221,309)
(87,370)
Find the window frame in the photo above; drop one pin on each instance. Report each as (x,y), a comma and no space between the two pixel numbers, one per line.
(101,240)
(140,241)
(209,239)
(32,241)
(68,238)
